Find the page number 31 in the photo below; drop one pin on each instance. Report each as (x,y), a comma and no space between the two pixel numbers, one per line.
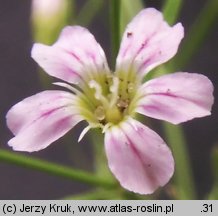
(207,208)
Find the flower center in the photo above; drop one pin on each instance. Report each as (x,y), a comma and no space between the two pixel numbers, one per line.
(107,100)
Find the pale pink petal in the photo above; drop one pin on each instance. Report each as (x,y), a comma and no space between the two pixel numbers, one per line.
(39,120)
(148,41)
(176,97)
(57,63)
(73,57)
(138,157)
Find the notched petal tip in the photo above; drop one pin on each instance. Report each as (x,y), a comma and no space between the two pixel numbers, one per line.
(22,148)
(177,97)
(72,57)
(138,157)
(148,41)
(38,52)
(41,119)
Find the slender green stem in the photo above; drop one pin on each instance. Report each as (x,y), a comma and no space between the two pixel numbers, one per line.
(171,9)
(70,12)
(127,11)
(94,195)
(54,169)
(200,29)
(88,12)
(101,165)
(115,27)
(183,174)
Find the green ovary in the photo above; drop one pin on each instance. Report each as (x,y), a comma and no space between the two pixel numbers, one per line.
(113,115)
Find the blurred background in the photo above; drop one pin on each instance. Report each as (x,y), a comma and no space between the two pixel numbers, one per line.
(19,78)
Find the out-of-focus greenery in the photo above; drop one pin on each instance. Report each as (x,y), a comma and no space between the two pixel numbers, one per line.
(128,11)
(88,12)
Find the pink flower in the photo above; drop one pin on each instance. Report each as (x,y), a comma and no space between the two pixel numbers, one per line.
(137,156)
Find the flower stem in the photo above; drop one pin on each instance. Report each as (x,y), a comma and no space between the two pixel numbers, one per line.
(171,10)
(128,11)
(184,179)
(94,195)
(115,27)
(101,165)
(54,169)
(70,12)
(88,12)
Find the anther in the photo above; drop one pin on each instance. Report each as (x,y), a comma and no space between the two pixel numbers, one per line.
(98,92)
(114,90)
(123,103)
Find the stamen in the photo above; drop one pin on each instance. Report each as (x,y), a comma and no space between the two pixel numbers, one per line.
(100,113)
(83,133)
(122,103)
(106,127)
(98,92)
(65,85)
(114,90)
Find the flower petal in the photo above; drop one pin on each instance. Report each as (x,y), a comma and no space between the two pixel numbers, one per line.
(177,97)
(39,120)
(148,41)
(138,157)
(73,57)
